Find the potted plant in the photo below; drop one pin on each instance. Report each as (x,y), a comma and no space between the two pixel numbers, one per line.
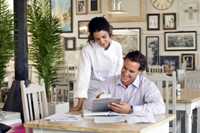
(6,38)
(45,50)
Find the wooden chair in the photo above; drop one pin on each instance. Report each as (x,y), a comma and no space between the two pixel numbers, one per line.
(167,86)
(34,101)
(192,80)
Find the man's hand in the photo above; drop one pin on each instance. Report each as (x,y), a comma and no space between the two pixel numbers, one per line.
(120,107)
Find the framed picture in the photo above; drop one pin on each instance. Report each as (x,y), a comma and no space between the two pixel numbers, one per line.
(188,60)
(129,38)
(180,41)
(152,50)
(94,6)
(169,21)
(172,61)
(189,13)
(131,10)
(62,9)
(81,7)
(153,21)
(83,29)
(70,43)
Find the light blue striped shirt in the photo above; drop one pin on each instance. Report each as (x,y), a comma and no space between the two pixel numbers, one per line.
(142,94)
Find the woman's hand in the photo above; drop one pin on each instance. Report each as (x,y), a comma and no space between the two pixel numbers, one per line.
(79,105)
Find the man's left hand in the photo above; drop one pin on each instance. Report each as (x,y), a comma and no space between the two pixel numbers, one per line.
(120,107)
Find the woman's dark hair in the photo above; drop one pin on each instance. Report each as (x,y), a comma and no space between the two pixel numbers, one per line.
(98,24)
(138,57)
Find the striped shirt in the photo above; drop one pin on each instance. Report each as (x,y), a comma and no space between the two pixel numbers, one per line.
(142,94)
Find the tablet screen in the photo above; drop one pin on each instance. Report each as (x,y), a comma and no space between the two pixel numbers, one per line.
(101,105)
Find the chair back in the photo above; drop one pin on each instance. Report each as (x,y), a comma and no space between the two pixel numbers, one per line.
(192,80)
(34,101)
(155,69)
(167,86)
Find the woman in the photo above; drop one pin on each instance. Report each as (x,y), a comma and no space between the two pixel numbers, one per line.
(101,59)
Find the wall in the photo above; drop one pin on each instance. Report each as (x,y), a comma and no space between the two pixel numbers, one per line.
(148,9)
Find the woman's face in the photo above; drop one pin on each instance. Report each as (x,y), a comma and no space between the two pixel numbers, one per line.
(102,38)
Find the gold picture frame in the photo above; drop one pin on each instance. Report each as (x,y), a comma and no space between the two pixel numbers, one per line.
(134,11)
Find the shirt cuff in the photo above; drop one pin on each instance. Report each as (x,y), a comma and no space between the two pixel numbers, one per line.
(137,108)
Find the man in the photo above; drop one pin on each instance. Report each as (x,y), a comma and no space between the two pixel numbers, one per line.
(137,93)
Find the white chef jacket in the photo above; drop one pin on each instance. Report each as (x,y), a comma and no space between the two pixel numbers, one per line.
(96,65)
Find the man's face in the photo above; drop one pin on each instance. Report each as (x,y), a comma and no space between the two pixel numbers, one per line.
(129,72)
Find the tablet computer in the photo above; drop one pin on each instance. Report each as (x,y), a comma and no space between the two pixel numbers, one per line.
(101,105)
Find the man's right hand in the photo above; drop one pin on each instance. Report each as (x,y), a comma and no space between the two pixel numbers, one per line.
(79,105)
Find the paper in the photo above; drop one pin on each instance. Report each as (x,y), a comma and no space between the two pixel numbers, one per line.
(109,119)
(87,113)
(140,118)
(64,118)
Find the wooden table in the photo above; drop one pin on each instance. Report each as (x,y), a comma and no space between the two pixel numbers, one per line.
(88,125)
(188,101)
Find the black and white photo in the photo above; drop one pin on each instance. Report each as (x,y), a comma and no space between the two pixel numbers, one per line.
(152,50)
(153,21)
(188,60)
(129,38)
(180,41)
(169,21)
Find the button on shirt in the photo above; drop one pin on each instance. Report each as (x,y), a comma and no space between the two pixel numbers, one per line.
(142,94)
(96,65)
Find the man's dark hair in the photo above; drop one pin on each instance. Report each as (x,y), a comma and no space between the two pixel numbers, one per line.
(98,24)
(138,57)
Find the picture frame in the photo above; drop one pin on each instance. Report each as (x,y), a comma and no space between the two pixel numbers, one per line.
(180,41)
(83,29)
(189,13)
(70,43)
(152,50)
(169,21)
(153,21)
(134,11)
(94,6)
(129,38)
(189,61)
(81,7)
(173,61)
(62,9)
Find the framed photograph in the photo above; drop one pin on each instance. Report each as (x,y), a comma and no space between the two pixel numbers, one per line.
(62,9)
(94,6)
(131,10)
(70,43)
(189,13)
(172,61)
(129,38)
(83,29)
(152,50)
(169,21)
(188,60)
(180,41)
(81,7)
(153,21)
